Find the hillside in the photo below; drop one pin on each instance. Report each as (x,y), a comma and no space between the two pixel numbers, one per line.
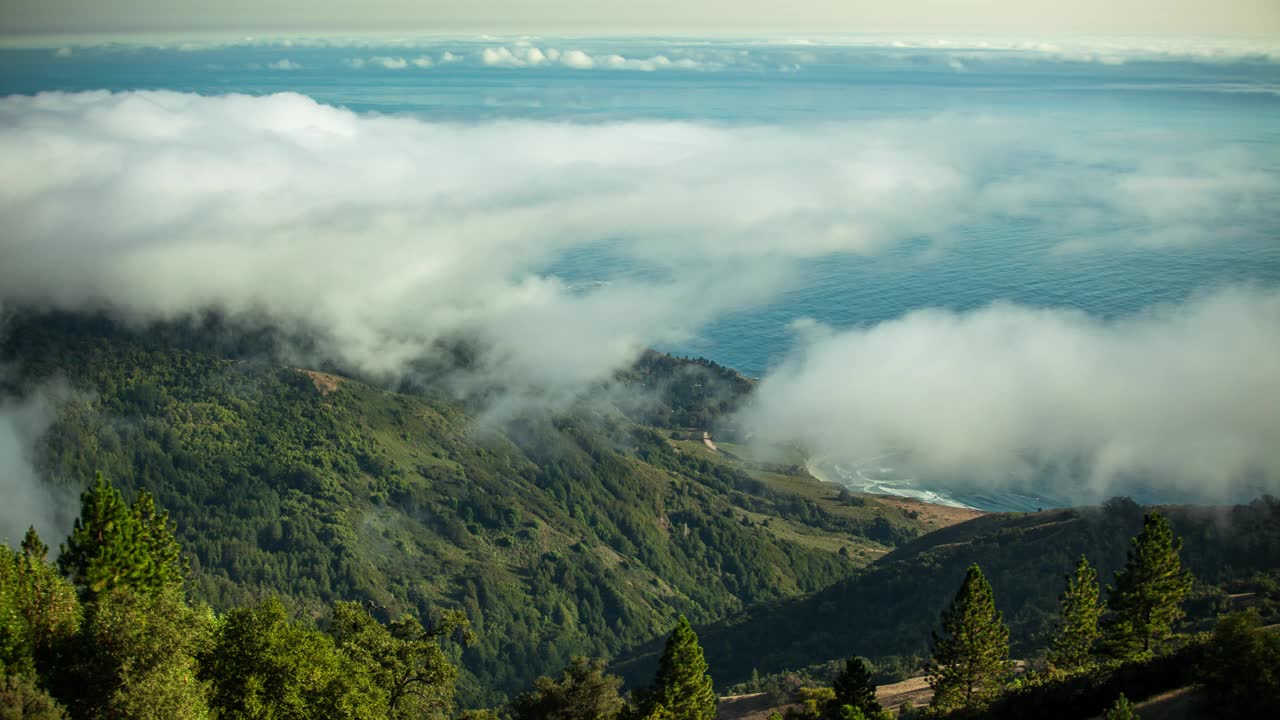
(585,533)
(890,607)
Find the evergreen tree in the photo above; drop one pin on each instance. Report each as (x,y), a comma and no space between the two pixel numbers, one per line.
(853,689)
(682,689)
(1146,599)
(584,692)
(104,550)
(33,547)
(971,659)
(1121,710)
(1078,625)
(168,565)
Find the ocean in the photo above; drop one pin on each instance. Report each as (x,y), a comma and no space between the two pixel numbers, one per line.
(1091,95)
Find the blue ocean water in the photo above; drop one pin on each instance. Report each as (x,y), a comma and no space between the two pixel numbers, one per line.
(1220,103)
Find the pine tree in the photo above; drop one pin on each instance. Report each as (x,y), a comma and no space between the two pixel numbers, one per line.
(33,547)
(168,564)
(682,689)
(853,689)
(118,545)
(104,550)
(971,660)
(1078,625)
(1146,599)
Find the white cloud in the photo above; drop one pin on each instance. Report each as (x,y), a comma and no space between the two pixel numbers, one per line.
(577,59)
(28,502)
(387,63)
(390,232)
(1179,396)
(528,56)
(285,64)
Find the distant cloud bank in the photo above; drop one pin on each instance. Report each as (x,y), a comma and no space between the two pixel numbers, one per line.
(528,56)
(744,53)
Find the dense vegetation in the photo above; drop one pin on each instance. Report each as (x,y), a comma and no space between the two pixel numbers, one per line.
(345,535)
(583,534)
(887,609)
(1139,649)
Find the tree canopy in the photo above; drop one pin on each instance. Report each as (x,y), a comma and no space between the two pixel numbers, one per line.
(1146,599)
(583,692)
(682,688)
(1079,609)
(971,657)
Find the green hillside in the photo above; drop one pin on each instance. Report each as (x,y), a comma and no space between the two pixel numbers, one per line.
(889,608)
(585,533)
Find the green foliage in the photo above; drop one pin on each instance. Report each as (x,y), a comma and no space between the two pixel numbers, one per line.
(404,660)
(135,658)
(896,599)
(575,535)
(22,699)
(1241,671)
(166,563)
(1121,710)
(39,610)
(583,692)
(971,658)
(1146,599)
(115,545)
(811,703)
(1079,609)
(33,547)
(262,666)
(104,550)
(682,685)
(854,689)
(1088,693)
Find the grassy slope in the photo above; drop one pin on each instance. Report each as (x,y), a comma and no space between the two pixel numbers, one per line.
(580,534)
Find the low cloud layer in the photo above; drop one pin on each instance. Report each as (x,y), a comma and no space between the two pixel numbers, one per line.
(391,233)
(386,235)
(1180,396)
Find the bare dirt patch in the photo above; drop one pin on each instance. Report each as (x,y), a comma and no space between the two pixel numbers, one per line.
(747,707)
(324,382)
(916,691)
(757,706)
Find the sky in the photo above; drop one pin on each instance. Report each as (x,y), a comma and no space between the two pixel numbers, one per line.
(61,17)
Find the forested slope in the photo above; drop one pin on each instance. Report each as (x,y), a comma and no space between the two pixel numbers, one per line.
(585,533)
(890,607)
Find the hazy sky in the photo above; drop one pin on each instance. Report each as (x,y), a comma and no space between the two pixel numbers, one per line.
(992,16)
